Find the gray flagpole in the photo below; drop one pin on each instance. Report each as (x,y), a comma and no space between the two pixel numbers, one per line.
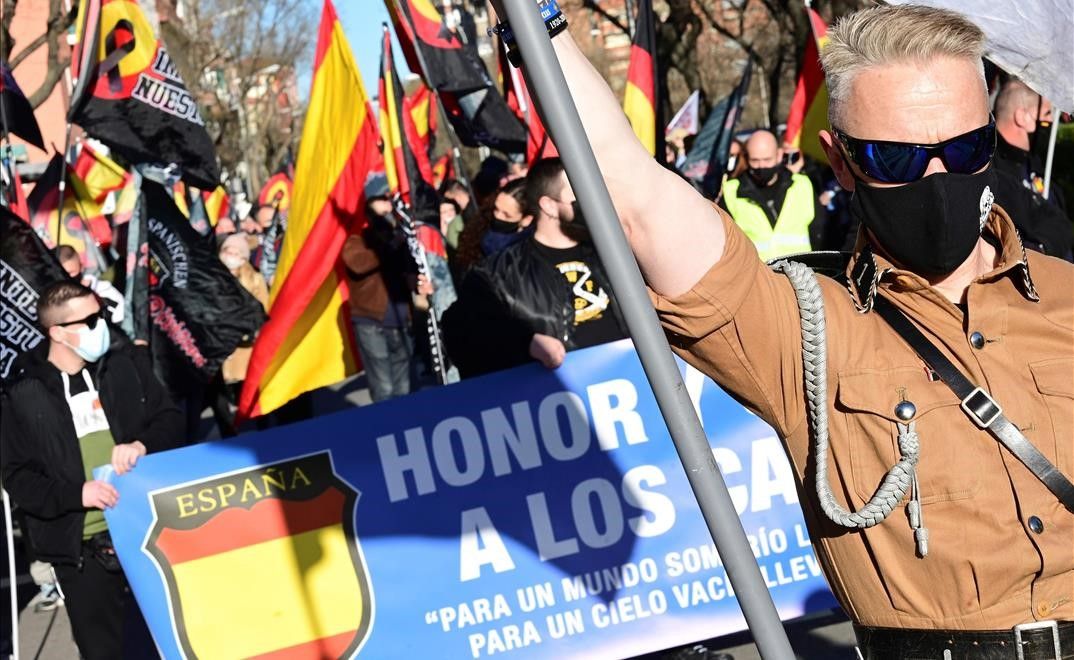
(561,117)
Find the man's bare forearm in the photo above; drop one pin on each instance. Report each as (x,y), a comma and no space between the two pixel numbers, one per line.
(674,232)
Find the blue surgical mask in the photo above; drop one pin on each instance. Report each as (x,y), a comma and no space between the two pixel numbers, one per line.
(93,341)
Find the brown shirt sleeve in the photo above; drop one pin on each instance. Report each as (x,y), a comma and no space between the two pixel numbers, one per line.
(358,257)
(739,325)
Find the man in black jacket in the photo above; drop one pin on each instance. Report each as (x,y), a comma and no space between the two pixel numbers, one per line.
(538,298)
(94,402)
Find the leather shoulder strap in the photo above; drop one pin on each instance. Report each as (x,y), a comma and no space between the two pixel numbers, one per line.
(978,405)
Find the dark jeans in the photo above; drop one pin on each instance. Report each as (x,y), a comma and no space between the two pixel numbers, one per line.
(105,620)
(386,354)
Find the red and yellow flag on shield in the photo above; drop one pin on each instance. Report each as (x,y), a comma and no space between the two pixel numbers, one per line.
(809,106)
(264,562)
(307,342)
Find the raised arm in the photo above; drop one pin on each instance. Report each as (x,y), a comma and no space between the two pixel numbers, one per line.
(674,232)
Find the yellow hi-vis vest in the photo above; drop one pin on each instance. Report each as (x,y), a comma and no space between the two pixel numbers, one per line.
(791,233)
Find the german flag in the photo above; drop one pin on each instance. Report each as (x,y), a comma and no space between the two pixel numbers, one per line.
(307,342)
(398,137)
(809,106)
(641,102)
(99,174)
(264,563)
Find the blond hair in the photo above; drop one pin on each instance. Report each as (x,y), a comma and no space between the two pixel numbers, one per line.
(888,34)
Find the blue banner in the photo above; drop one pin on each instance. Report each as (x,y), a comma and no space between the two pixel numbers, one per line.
(529,513)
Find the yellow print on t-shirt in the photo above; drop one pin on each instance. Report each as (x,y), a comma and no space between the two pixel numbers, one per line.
(590,301)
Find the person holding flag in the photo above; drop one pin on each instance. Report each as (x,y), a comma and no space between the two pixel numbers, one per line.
(909,471)
(306,342)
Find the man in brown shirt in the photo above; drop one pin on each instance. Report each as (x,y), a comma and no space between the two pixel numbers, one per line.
(904,83)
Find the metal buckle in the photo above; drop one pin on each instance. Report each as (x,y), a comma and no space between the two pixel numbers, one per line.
(981,407)
(1036,625)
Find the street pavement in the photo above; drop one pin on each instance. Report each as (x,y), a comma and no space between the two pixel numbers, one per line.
(46,635)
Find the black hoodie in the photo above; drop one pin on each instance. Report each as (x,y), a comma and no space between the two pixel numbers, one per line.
(40,459)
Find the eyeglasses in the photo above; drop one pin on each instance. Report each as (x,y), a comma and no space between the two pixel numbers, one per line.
(90,321)
(903,162)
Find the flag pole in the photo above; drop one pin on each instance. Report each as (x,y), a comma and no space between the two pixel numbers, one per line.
(1051,152)
(561,118)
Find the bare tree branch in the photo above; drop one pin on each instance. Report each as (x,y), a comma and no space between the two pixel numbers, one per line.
(29,50)
(57,24)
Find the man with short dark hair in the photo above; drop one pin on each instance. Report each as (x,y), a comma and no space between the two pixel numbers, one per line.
(539,297)
(94,402)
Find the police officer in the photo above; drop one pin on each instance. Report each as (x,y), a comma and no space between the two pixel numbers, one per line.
(974,557)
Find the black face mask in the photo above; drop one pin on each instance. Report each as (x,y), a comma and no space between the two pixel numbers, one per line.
(762,175)
(929,226)
(576,228)
(503,227)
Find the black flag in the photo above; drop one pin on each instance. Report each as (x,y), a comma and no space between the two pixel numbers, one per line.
(26,268)
(199,312)
(452,68)
(707,160)
(18,113)
(482,117)
(130,96)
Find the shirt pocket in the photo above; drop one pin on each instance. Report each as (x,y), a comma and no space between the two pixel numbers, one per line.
(1055,382)
(950,454)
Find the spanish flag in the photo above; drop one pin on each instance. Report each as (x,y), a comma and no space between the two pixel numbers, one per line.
(641,101)
(307,342)
(809,107)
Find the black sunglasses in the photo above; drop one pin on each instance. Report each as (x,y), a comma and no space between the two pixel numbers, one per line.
(90,321)
(903,162)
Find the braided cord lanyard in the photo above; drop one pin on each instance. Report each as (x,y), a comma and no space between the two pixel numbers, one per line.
(902,477)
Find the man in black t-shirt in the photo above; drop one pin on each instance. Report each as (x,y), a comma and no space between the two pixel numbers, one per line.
(540,297)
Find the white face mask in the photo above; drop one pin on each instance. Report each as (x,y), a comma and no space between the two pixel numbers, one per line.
(92,341)
(231,261)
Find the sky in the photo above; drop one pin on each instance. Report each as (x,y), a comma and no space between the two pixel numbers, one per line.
(361,21)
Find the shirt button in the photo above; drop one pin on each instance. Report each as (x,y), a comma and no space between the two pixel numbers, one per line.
(977,340)
(1043,610)
(1036,525)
